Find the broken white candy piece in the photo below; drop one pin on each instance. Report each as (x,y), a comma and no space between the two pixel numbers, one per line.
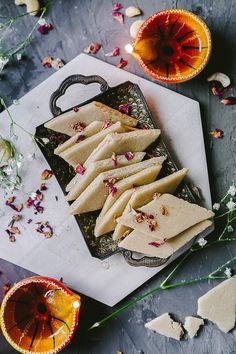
(166,326)
(32,6)
(134,28)
(220,77)
(219,305)
(192,325)
(132,11)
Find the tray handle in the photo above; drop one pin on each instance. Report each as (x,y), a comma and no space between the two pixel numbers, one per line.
(71,80)
(144,261)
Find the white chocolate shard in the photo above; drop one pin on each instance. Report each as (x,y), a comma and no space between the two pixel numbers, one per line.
(219,305)
(192,325)
(134,141)
(87,114)
(165,326)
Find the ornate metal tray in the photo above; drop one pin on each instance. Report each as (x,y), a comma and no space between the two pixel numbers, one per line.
(127,92)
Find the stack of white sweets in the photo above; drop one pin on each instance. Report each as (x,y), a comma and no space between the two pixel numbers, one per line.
(107,152)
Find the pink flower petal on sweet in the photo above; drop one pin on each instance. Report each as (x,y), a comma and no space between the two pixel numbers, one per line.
(80,169)
(129,155)
(106,123)
(112,191)
(118,16)
(114,53)
(122,63)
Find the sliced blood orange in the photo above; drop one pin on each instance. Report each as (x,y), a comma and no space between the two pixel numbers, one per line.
(39,315)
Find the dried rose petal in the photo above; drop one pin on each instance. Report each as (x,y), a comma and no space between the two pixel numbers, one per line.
(46,174)
(117,7)
(114,160)
(80,169)
(45,229)
(75,109)
(112,191)
(229,101)
(129,155)
(29,202)
(44,29)
(114,53)
(140,216)
(14,230)
(118,16)
(93,48)
(80,138)
(47,62)
(29,221)
(106,123)
(124,108)
(122,63)
(157,243)
(217,133)
(39,209)
(78,127)
(16,217)
(217,90)
(152,225)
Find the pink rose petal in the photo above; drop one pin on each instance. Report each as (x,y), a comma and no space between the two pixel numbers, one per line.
(117,7)
(114,53)
(122,63)
(129,155)
(93,48)
(124,108)
(80,169)
(118,16)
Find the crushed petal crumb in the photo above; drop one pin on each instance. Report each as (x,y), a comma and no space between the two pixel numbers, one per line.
(156,195)
(114,159)
(93,48)
(129,155)
(45,229)
(47,62)
(163,210)
(107,123)
(158,243)
(122,63)
(78,127)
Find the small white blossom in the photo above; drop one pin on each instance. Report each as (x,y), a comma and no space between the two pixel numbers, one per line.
(230,228)
(228,272)
(30,157)
(3,63)
(202,242)
(232,190)
(33,195)
(231,205)
(15,102)
(45,140)
(216,206)
(42,22)
(19,56)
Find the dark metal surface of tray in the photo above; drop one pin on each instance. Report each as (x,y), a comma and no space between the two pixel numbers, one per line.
(104,246)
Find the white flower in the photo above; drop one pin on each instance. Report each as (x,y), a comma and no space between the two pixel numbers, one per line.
(232,190)
(230,228)
(15,102)
(19,56)
(42,22)
(45,140)
(216,206)
(3,62)
(231,205)
(228,272)
(202,242)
